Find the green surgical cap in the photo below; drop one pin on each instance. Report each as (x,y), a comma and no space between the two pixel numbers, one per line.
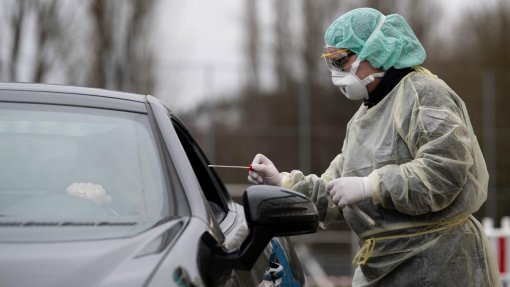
(394,45)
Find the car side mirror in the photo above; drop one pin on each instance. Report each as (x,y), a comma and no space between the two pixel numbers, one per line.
(270,211)
(283,212)
(274,211)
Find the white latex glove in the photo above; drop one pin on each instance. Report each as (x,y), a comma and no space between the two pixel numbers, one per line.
(349,190)
(263,171)
(90,191)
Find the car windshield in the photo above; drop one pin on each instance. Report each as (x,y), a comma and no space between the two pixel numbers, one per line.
(77,166)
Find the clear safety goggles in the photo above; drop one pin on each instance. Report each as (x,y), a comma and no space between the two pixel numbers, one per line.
(336,60)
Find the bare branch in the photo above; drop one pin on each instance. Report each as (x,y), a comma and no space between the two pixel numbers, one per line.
(16,22)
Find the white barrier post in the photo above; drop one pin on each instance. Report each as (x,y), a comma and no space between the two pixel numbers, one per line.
(499,238)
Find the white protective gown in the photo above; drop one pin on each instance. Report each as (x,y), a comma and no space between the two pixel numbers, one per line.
(418,147)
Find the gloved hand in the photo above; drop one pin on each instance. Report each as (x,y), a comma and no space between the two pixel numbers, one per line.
(263,171)
(349,190)
(90,191)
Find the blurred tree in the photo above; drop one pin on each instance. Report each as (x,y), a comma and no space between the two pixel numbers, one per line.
(48,34)
(95,43)
(121,58)
(252,46)
(34,38)
(485,39)
(482,55)
(283,45)
(15,22)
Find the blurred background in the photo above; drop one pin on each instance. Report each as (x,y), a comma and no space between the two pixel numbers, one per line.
(246,77)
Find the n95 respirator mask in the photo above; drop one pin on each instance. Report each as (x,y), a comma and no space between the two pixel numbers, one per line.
(350,84)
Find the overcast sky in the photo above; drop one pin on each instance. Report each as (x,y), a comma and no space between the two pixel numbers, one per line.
(200,41)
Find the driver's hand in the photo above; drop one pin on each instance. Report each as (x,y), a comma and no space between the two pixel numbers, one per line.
(90,191)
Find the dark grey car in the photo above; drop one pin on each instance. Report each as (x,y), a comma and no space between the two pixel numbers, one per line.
(102,188)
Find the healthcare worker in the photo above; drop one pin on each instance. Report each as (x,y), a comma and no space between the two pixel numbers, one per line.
(411,172)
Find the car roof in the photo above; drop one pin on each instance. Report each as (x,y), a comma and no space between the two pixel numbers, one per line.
(72,95)
(73,90)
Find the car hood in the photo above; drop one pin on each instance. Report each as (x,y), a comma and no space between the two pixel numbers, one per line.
(111,262)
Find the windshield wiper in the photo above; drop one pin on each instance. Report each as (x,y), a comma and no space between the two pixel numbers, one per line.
(65,223)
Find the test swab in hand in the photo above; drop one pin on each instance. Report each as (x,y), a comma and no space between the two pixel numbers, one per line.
(231,166)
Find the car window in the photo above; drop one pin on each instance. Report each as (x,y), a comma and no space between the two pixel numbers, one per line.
(66,162)
(210,183)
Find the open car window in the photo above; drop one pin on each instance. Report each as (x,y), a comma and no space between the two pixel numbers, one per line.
(211,185)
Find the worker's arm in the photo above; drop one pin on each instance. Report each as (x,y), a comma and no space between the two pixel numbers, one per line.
(314,187)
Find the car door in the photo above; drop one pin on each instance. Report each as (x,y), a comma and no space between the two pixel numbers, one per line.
(226,219)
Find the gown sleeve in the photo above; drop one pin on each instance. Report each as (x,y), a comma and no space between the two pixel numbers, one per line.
(314,187)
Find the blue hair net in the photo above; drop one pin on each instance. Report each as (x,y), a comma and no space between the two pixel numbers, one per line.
(394,45)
